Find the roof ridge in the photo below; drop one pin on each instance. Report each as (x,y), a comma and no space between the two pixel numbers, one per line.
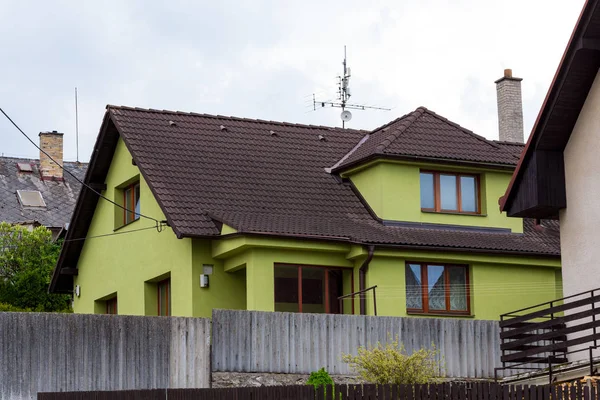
(509,143)
(408,120)
(217,116)
(454,124)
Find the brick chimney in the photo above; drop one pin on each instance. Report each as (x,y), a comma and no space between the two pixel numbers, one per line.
(51,143)
(510,108)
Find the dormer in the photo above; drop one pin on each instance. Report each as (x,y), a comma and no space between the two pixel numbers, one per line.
(423,168)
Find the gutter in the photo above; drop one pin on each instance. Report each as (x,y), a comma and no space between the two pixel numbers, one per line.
(362,279)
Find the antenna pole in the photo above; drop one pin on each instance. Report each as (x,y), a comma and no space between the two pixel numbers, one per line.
(76,126)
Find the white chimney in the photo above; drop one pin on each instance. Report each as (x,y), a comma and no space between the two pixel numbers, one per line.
(510,108)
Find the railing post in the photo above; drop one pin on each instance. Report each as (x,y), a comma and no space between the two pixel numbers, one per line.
(594,318)
(591,362)
(374,302)
(549,370)
(552,329)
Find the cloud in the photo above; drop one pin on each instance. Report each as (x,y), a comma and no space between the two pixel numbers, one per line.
(264,59)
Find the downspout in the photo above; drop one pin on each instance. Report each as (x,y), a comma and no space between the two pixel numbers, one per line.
(362,279)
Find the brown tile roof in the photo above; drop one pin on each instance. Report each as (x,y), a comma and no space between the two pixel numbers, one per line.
(425,134)
(264,177)
(206,168)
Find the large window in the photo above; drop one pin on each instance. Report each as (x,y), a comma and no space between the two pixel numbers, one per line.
(164,297)
(447,192)
(437,288)
(131,201)
(307,289)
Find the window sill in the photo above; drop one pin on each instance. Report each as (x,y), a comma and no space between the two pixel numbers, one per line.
(127,224)
(441,314)
(453,213)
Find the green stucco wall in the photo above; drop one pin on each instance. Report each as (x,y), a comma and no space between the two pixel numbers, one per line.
(498,284)
(130,264)
(392,190)
(124,262)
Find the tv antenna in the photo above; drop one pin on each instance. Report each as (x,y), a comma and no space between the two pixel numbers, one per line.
(343,96)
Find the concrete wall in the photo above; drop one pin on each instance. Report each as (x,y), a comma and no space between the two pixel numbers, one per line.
(580,221)
(66,352)
(301,343)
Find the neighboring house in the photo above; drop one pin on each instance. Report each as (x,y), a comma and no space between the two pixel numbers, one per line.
(288,217)
(36,192)
(558,174)
(558,177)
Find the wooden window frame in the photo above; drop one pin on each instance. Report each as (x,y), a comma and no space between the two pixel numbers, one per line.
(425,295)
(112,304)
(167,284)
(130,211)
(325,283)
(437,197)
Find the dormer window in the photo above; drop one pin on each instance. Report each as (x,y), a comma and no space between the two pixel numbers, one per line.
(131,201)
(449,192)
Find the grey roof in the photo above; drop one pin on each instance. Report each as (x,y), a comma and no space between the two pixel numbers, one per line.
(60,196)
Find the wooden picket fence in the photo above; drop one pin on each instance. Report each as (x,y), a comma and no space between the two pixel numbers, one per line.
(444,391)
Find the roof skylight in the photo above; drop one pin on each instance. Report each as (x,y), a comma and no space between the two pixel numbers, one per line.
(24,167)
(31,198)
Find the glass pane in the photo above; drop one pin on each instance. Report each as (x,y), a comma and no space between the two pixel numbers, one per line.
(436,288)
(313,290)
(286,288)
(458,288)
(468,193)
(414,298)
(164,298)
(128,205)
(427,199)
(448,192)
(137,201)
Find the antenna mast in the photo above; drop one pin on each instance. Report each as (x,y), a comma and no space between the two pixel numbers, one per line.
(343,97)
(76,126)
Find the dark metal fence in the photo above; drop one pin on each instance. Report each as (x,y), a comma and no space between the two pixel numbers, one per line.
(444,391)
(546,333)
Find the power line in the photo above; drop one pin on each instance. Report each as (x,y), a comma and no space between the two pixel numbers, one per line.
(111,234)
(158,223)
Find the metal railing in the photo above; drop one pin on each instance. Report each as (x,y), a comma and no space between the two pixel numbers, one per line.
(362,293)
(546,333)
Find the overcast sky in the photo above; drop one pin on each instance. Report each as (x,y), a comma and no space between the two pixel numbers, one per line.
(264,59)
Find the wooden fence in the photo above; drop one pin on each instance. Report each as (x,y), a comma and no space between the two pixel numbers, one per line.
(445,391)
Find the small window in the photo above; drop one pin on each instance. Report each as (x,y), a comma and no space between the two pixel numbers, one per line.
(131,201)
(447,192)
(31,198)
(437,288)
(164,297)
(111,306)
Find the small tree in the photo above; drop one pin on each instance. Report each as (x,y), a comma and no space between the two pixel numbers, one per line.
(390,364)
(27,259)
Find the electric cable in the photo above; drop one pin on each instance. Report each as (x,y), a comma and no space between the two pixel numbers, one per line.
(158,225)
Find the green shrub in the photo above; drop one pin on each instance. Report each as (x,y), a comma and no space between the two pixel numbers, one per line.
(390,364)
(319,378)
(10,308)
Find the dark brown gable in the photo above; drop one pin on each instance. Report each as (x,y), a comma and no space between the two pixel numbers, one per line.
(537,189)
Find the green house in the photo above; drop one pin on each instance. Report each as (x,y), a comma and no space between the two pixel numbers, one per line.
(199,212)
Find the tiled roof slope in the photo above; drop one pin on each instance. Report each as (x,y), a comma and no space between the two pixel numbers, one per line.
(60,197)
(269,177)
(423,133)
